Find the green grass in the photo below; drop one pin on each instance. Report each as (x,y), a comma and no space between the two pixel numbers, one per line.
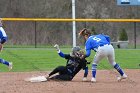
(43,59)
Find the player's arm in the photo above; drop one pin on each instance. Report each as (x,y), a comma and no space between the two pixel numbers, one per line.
(60,53)
(88,52)
(85,67)
(88,49)
(2,41)
(85,72)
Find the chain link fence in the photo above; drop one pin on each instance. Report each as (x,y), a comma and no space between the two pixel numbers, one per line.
(39,34)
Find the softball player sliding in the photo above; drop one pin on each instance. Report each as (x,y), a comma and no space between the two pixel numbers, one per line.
(3,39)
(66,73)
(101,45)
(73,66)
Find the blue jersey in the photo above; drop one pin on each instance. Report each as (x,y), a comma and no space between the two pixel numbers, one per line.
(3,36)
(94,41)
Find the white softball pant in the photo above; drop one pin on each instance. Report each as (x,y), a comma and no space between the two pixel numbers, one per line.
(105,51)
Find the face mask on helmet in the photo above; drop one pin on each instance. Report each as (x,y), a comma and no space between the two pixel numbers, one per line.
(76,51)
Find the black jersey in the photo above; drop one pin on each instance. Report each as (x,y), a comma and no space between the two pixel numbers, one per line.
(74,64)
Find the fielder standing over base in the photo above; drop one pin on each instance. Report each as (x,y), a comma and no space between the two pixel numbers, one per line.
(101,45)
(3,39)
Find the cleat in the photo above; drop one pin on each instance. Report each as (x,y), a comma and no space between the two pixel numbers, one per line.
(47,77)
(10,66)
(93,80)
(84,79)
(121,77)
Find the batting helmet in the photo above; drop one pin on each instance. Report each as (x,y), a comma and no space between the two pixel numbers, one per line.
(75,50)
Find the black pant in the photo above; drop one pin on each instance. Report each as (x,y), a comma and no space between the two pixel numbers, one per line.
(63,74)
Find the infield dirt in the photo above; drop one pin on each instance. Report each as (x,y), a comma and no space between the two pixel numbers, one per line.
(13,82)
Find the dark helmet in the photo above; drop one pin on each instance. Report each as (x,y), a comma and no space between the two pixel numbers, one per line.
(75,50)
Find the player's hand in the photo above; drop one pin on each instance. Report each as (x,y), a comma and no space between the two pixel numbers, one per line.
(83,56)
(80,54)
(57,47)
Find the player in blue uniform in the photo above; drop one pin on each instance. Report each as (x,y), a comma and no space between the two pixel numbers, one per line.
(3,39)
(73,66)
(101,45)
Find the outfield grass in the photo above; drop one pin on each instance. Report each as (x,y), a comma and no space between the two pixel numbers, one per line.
(43,59)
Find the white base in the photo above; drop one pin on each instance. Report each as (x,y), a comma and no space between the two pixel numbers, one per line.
(36,79)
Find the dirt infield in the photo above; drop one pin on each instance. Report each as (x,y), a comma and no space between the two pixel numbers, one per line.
(13,82)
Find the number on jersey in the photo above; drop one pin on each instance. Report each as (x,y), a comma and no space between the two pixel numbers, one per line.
(96,39)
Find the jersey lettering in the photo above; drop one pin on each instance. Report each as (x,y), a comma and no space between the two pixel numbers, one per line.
(96,39)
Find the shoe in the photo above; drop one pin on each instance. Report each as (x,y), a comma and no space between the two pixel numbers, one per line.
(84,79)
(122,77)
(93,80)
(47,76)
(10,66)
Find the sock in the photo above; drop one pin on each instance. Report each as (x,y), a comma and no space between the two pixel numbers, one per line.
(4,62)
(94,67)
(86,72)
(118,68)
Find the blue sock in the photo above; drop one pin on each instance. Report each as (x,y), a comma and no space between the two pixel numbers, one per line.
(118,68)
(4,62)
(94,67)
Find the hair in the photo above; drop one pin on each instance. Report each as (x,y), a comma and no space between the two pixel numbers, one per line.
(84,32)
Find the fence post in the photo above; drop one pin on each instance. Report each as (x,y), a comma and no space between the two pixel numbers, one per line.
(135,35)
(35,34)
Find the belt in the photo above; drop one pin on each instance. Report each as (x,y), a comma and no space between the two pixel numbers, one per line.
(103,45)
